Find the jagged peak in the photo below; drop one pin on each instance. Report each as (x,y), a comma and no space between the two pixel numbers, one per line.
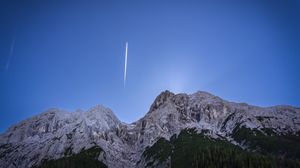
(160,99)
(205,94)
(166,93)
(100,109)
(206,97)
(97,107)
(102,113)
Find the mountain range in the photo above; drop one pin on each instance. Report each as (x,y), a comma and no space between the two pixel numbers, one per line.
(179,130)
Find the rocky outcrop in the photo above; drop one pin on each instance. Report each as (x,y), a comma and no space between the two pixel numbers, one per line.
(56,133)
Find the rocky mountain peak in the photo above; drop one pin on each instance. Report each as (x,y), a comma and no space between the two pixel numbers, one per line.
(57,133)
(161,98)
(100,111)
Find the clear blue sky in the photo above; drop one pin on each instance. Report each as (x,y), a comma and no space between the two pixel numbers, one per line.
(71,55)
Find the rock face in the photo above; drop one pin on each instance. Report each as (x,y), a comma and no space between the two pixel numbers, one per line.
(56,133)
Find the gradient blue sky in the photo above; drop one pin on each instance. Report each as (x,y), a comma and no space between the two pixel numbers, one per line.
(71,55)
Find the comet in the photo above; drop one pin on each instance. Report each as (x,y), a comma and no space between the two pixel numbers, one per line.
(125,66)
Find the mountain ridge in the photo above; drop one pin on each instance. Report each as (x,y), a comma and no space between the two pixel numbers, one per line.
(57,134)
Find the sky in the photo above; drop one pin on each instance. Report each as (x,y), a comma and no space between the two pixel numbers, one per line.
(70,54)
